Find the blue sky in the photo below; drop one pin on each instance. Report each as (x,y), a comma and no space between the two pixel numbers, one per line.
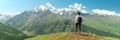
(22,5)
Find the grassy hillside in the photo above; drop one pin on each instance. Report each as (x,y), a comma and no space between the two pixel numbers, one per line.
(7,33)
(109,24)
(70,36)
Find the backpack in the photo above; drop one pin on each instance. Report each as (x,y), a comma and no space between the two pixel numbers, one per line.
(79,19)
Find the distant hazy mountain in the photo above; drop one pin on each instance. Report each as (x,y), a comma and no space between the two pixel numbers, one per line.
(7,15)
(41,20)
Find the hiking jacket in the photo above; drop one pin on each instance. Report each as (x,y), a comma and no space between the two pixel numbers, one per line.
(76,18)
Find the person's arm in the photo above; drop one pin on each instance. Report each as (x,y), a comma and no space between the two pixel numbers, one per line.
(76,19)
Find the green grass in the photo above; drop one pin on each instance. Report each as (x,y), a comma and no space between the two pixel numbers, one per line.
(70,36)
(7,33)
(106,24)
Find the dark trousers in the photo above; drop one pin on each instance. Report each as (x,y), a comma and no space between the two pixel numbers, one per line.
(78,27)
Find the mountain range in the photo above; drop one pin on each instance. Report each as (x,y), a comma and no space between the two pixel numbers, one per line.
(41,20)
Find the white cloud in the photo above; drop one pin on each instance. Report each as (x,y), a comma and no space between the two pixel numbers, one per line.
(104,12)
(118,14)
(1,17)
(70,6)
(78,7)
(50,6)
(83,7)
(84,11)
(67,9)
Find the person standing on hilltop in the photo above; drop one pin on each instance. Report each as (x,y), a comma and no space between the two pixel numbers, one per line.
(78,22)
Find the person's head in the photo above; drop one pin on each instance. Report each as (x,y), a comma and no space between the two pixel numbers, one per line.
(78,13)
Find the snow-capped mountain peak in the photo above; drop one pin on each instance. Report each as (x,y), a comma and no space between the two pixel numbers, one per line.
(41,7)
